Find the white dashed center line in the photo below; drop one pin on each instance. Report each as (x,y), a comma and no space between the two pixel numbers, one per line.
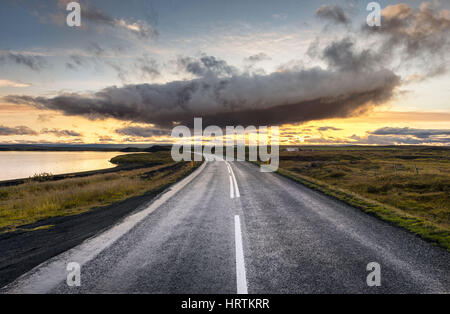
(231,188)
(234,189)
(241,278)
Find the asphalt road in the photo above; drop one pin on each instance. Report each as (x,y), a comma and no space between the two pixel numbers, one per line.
(229,228)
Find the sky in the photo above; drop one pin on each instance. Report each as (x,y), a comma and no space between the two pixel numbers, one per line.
(135,69)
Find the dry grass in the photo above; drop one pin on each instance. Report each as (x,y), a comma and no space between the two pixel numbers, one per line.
(34,200)
(407,186)
(416,181)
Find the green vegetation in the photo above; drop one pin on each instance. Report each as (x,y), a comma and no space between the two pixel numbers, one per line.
(39,198)
(156,158)
(407,186)
(44,176)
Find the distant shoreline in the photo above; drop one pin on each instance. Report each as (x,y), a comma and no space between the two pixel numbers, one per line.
(48,174)
(79,174)
(73,148)
(56,177)
(61,149)
(156,147)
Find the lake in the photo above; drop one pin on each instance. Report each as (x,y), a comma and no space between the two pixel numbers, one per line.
(17,165)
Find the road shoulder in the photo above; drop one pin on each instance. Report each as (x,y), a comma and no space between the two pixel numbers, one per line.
(23,250)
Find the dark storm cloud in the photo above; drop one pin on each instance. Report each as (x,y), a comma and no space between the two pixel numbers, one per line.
(222,96)
(60,133)
(277,98)
(419,133)
(18,130)
(33,62)
(342,55)
(333,13)
(142,131)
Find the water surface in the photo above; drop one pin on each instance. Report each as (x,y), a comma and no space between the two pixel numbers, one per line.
(16,165)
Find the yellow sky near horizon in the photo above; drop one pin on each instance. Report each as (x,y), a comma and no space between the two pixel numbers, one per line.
(338,130)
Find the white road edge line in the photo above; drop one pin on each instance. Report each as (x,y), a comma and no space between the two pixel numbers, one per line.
(46,276)
(235,183)
(231,188)
(241,278)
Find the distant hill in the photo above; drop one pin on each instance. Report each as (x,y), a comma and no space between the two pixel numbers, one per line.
(158,148)
(131,149)
(151,149)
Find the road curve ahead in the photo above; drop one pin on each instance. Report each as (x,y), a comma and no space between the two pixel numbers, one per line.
(229,228)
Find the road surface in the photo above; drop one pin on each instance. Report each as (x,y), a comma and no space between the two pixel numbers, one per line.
(229,228)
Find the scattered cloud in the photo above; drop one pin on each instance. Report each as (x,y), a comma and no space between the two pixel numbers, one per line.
(328,128)
(333,13)
(44,118)
(138,131)
(106,138)
(397,140)
(257,58)
(380,136)
(148,67)
(420,35)
(419,133)
(99,56)
(421,30)
(18,130)
(75,62)
(91,14)
(205,66)
(33,62)
(61,133)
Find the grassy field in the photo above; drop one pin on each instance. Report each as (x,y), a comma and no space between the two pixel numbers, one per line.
(38,199)
(407,186)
